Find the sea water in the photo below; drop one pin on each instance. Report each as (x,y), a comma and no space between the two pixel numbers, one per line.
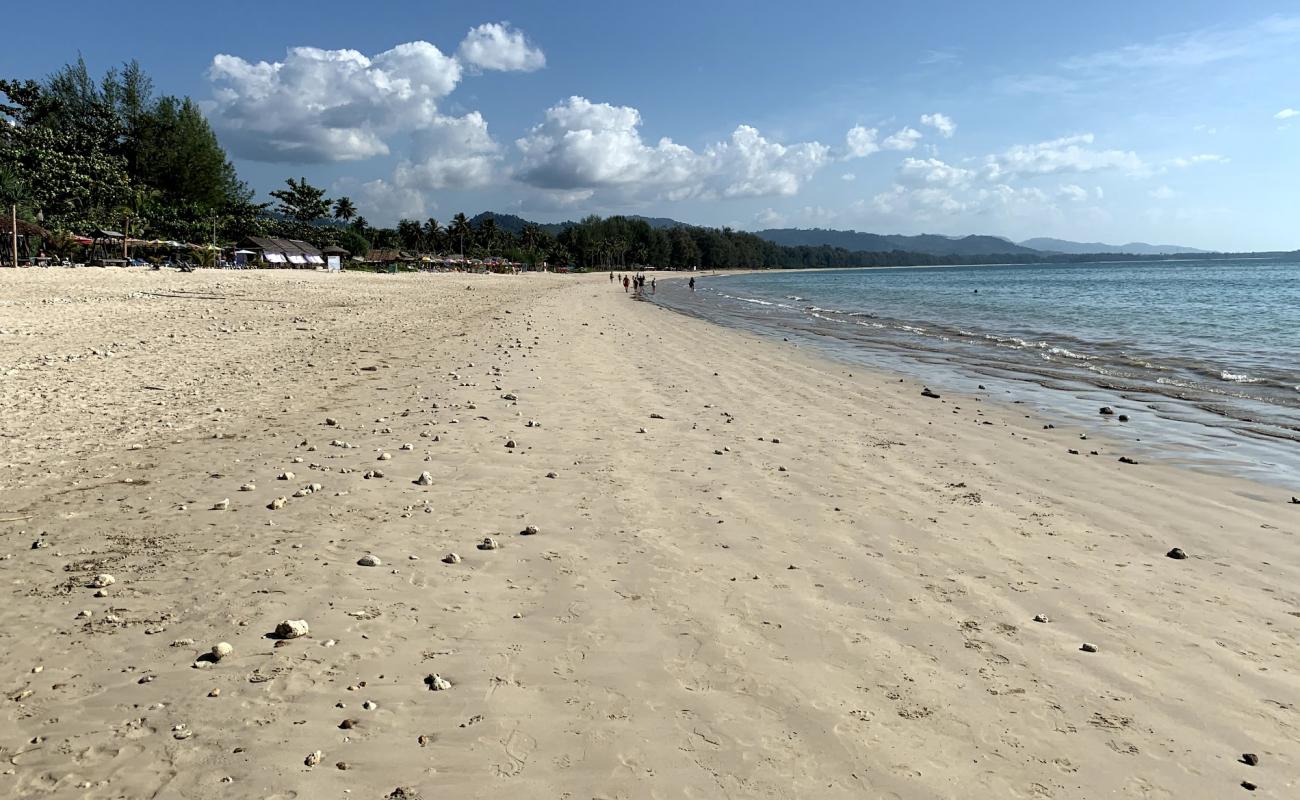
(1203,355)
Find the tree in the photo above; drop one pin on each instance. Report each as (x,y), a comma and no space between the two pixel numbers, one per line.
(432,234)
(343,209)
(302,202)
(410,235)
(488,234)
(460,229)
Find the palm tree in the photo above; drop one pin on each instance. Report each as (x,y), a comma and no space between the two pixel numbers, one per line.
(460,229)
(487,233)
(344,210)
(432,233)
(359,225)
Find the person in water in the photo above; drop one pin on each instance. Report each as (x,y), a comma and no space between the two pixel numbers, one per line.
(692,284)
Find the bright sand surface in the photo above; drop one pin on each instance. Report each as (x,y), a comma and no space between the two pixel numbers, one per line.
(703,612)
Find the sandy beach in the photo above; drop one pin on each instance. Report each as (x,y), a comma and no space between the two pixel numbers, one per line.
(720,566)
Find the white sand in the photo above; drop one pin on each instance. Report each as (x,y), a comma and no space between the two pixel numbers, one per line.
(652,639)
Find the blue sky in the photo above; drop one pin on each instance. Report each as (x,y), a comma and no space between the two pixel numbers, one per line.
(1157,121)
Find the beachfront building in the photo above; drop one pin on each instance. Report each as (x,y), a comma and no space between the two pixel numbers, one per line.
(291,253)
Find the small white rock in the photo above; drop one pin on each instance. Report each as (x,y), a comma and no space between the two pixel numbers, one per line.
(425,479)
(451,558)
(488,543)
(222,649)
(292,629)
(100,581)
(369,560)
(313,758)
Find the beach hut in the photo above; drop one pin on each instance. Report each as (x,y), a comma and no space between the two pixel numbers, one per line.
(18,235)
(102,244)
(293,253)
(334,256)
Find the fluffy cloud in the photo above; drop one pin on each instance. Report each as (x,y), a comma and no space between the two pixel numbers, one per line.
(905,139)
(1200,158)
(586,145)
(924,203)
(1073,193)
(940,122)
(1286,113)
(327,105)
(341,105)
(861,142)
(498,46)
(1064,155)
(1163,193)
(932,171)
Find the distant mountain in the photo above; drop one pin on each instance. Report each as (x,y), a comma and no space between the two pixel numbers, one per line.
(1048,245)
(855,241)
(515,224)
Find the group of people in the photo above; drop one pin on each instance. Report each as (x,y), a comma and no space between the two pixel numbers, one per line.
(633,282)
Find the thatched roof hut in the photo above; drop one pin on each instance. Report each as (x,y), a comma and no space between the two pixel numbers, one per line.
(25,228)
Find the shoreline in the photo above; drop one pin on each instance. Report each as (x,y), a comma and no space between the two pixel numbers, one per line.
(1196,431)
(756,572)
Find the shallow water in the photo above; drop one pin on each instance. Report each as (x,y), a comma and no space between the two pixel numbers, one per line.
(1203,355)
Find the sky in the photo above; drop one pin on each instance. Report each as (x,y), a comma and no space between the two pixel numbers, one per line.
(1170,122)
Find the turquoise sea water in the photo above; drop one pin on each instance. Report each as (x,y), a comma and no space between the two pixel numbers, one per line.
(1203,355)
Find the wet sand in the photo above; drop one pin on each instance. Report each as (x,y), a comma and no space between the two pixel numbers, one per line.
(754,572)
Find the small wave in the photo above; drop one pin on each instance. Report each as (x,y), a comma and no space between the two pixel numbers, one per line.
(752,300)
(1061,351)
(1237,378)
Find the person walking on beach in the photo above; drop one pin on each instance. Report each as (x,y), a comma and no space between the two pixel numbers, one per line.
(652,286)
(611,277)
(626,284)
(692,284)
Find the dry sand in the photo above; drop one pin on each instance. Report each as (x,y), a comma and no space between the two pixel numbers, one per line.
(703,611)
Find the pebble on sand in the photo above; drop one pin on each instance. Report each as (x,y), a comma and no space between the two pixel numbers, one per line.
(1088,647)
(285,476)
(313,758)
(100,581)
(1250,759)
(1041,618)
(926,392)
(488,543)
(510,443)
(552,475)
(248,487)
(451,558)
(437,683)
(221,505)
(277,503)
(425,479)
(1177,553)
(1106,411)
(221,649)
(529,530)
(292,629)
(369,560)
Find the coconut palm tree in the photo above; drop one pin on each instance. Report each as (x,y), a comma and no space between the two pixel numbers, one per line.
(344,210)
(433,233)
(487,234)
(459,229)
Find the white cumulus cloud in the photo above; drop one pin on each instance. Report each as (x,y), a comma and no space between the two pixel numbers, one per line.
(1065,155)
(940,122)
(586,145)
(861,141)
(934,172)
(1073,192)
(905,139)
(327,105)
(497,46)
(1286,113)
